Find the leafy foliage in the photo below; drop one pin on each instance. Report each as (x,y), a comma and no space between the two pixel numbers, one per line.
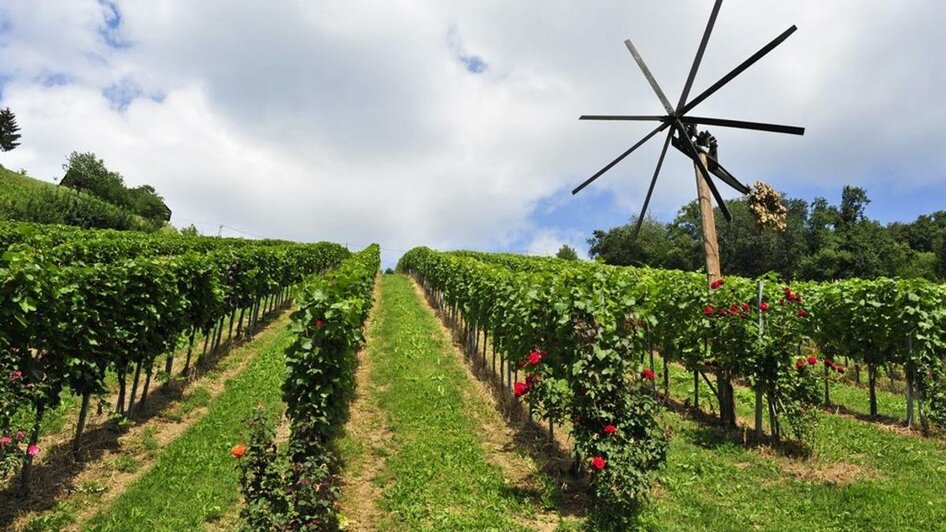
(297,491)
(76,304)
(580,331)
(819,242)
(53,205)
(567,252)
(86,172)
(574,328)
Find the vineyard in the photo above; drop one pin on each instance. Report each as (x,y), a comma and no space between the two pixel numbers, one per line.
(625,391)
(82,308)
(577,343)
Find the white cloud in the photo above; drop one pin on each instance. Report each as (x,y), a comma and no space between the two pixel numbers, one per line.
(547,242)
(358,123)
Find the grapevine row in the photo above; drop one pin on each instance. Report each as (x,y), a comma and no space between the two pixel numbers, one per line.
(66,324)
(297,490)
(582,334)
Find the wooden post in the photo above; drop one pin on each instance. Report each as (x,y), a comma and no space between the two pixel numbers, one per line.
(710,247)
(758,390)
(711,252)
(911,377)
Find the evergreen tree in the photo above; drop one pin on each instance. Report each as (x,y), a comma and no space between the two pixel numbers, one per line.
(9,136)
(567,252)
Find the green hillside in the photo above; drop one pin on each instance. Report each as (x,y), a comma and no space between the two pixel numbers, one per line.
(14,185)
(27,199)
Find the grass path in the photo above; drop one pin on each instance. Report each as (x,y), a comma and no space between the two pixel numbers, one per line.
(438,463)
(861,476)
(68,491)
(195,481)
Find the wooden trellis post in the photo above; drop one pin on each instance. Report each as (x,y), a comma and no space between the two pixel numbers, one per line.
(727,412)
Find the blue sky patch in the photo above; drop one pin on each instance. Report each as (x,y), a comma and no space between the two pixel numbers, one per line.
(121,94)
(112,21)
(54,79)
(473,63)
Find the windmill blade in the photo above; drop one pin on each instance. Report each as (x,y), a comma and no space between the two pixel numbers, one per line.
(693,153)
(650,190)
(650,135)
(714,167)
(648,75)
(636,118)
(738,70)
(741,124)
(699,54)
(717,170)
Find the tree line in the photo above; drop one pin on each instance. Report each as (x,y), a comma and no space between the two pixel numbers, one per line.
(821,242)
(86,172)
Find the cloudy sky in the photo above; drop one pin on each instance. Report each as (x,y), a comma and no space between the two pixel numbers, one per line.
(454,124)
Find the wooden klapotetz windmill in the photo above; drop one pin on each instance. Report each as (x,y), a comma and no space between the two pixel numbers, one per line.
(699,146)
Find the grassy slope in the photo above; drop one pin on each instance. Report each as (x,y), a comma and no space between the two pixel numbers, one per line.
(14,185)
(861,477)
(195,479)
(437,477)
(17,187)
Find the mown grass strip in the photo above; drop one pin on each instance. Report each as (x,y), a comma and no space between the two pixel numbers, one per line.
(195,480)
(437,477)
(860,477)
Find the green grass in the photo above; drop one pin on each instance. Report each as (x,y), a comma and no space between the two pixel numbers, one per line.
(61,516)
(17,189)
(437,476)
(195,479)
(14,185)
(197,398)
(860,476)
(125,464)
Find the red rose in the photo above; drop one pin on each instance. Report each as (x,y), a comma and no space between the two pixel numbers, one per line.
(610,429)
(535,358)
(648,374)
(709,311)
(841,370)
(319,324)
(763,306)
(812,361)
(802,312)
(801,363)
(521,363)
(598,463)
(722,311)
(532,378)
(746,307)
(717,283)
(520,389)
